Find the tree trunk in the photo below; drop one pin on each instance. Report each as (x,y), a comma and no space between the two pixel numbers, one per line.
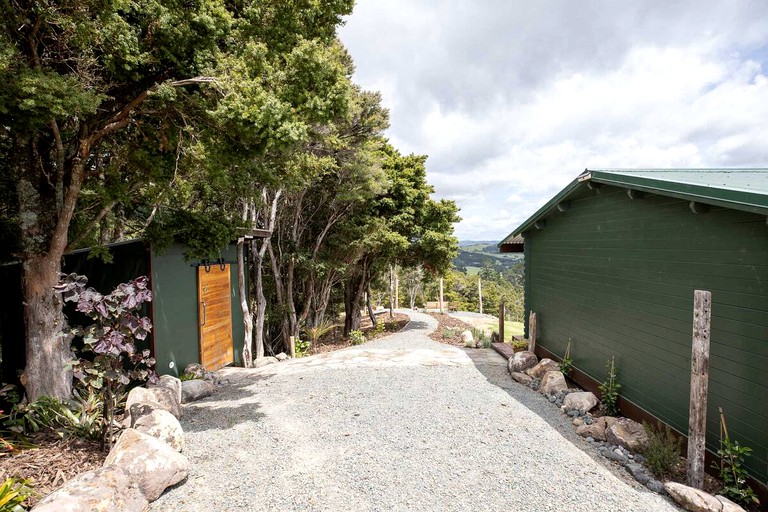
(353,294)
(48,350)
(370,308)
(261,300)
(247,319)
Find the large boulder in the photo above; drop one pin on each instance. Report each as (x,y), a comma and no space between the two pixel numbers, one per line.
(264,361)
(728,505)
(544,366)
(467,339)
(195,371)
(582,401)
(552,382)
(627,433)
(597,429)
(192,390)
(522,378)
(152,464)
(170,382)
(157,395)
(162,425)
(693,499)
(522,361)
(107,488)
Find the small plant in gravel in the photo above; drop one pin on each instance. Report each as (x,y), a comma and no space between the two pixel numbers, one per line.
(519,345)
(356,338)
(318,331)
(392,326)
(731,468)
(448,333)
(662,451)
(566,365)
(609,389)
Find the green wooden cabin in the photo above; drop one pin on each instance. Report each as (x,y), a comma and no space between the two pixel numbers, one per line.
(195,311)
(612,263)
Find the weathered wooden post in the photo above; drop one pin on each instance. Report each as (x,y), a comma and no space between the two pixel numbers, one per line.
(292,340)
(441,296)
(532,332)
(397,289)
(480,293)
(697,419)
(502,315)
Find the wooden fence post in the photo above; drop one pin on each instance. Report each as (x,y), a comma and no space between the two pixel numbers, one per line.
(697,419)
(480,293)
(502,314)
(441,296)
(532,332)
(292,340)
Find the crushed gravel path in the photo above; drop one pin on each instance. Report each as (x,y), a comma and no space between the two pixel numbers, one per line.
(399,423)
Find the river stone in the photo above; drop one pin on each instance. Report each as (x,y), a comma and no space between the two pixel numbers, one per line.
(160,395)
(552,382)
(692,499)
(521,361)
(627,433)
(164,426)
(544,366)
(581,401)
(596,430)
(107,488)
(522,378)
(152,464)
(192,390)
(170,382)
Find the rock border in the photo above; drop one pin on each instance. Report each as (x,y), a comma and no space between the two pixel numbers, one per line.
(615,438)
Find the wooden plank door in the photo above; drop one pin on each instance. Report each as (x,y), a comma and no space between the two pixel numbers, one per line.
(215,316)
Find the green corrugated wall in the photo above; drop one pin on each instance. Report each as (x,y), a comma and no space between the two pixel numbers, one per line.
(174,282)
(616,276)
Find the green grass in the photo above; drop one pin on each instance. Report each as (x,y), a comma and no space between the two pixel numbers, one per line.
(473,271)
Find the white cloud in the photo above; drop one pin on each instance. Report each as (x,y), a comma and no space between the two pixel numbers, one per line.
(511,101)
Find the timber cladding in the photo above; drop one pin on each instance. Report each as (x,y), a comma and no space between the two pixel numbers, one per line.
(616,277)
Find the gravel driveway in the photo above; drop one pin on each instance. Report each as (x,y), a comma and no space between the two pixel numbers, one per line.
(399,423)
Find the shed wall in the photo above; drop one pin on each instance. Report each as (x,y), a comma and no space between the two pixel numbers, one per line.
(174,283)
(616,276)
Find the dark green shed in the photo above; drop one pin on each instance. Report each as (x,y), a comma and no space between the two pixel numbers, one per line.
(180,310)
(612,262)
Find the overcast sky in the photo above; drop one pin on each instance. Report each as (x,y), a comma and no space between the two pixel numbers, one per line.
(512,99)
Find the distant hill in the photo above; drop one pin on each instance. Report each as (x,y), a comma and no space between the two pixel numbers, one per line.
(473,255)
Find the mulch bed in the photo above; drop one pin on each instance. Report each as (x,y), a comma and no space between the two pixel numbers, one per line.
(449,329)
(51,462)
(335,340)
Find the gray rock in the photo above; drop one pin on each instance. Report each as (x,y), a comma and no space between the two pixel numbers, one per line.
(152,464)
(264,361)
(596,430)
(107,488)
(160,395)
(522,361)
(728,505)
(614,455)
(521,378)
(573,413)
(582,401)
(590,440)
(544,366)
(170,382)
(192,390)
(467,338)
(552,382)
(282,356)
(164,426)
(693,499)
(638,472)
(627,433)
(195,370)
(552,398)
(656,486)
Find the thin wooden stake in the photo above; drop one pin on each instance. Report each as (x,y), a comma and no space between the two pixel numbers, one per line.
(697,422)
(502,315)
(532,332)
(480,293)
(292,340)
(441,296)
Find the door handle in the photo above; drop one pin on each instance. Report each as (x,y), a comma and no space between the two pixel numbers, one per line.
(204,314)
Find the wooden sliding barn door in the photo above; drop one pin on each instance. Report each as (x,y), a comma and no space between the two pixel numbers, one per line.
(215,315)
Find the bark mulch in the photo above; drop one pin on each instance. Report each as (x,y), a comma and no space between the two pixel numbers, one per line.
(449,329)
(335,340)
(51,462)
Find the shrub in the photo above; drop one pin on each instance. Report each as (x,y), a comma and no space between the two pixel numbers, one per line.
(13,493)
(662,451)
(609,389)
(302,347)
(356,337)
(392,326)
(520,344)
(110,342)
(731,469)
(82,415)
(447,333)
(318,331)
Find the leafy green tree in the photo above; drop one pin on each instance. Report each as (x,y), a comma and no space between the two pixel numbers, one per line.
(94,89)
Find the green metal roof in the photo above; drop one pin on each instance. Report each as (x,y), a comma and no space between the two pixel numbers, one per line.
(739,189)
